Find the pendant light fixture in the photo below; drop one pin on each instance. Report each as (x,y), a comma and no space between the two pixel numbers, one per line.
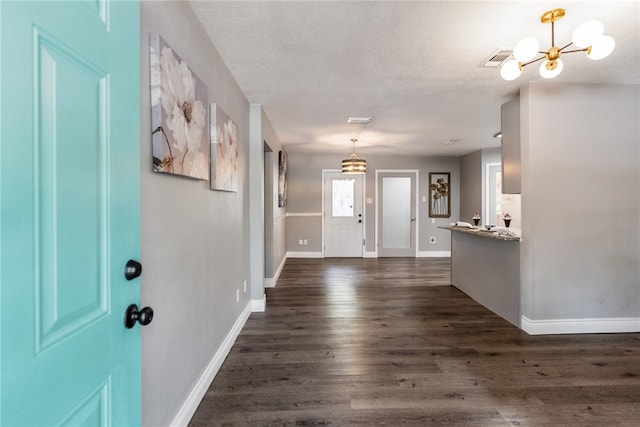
(354,165)
(588,37)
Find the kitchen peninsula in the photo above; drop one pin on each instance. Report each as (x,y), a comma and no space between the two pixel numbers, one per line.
(486,266)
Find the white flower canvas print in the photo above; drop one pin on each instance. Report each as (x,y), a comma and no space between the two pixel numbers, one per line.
(179,120)
(224,151)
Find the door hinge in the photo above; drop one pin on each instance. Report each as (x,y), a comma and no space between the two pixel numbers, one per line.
(363,242)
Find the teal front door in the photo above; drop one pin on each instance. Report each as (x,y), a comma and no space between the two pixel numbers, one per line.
(69,219)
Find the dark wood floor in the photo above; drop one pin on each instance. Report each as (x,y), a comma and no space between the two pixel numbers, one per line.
(373,342)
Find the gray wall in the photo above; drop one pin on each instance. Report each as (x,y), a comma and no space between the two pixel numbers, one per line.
(194,247)
(270,159)
(471,200)
(305,196)
(275,228)
(580,252)
(472,181)
(256,205)
(307,228)
(488,270)
(489,155)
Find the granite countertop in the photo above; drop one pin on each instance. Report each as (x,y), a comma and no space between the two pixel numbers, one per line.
(482,232)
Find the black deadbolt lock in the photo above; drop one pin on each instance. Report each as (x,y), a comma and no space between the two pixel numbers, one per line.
(132,269)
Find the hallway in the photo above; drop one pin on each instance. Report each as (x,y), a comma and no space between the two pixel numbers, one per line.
(388,342)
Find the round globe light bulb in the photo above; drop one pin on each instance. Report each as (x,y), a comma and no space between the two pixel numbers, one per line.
(526,49)
(601,48)
(587,33)
(551,73)
(510,70)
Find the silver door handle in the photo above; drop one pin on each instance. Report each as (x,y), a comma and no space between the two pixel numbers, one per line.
(413,219)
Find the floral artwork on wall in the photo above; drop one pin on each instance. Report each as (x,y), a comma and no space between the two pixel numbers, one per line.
(179,120)
(224,151)
(282,179)
(440,194)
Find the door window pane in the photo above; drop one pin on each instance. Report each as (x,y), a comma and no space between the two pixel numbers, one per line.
(343,192)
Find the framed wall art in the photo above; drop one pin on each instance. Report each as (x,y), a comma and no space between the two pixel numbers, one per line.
(224,151)
(282,179)
(179,119)
(439,194)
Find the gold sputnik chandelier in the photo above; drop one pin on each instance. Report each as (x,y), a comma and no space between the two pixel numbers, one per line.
(588,37)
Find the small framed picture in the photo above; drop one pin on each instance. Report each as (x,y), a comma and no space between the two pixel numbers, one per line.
(439,194)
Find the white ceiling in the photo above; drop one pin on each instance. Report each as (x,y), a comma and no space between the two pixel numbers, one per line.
(414,66)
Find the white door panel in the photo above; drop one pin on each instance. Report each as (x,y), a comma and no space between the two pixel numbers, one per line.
(397,214)
(343,215)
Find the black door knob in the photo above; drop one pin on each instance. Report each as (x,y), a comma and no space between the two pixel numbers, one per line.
(133,315)
(132,269)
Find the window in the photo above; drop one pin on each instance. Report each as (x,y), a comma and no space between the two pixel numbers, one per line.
(343,193)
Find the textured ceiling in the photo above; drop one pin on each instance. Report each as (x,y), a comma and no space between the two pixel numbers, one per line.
(412,66)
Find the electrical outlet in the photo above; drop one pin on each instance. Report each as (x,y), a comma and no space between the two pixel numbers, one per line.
(245,286)
(432,239)
(433,220)
(305,242)
(300,242)
(237,295)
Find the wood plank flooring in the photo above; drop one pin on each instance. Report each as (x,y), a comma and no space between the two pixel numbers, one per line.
(388,342)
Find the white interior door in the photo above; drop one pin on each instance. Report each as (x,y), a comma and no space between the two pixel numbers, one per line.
(397,214)
(343,215)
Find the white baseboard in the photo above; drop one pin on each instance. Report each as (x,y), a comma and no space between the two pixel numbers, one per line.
(434,254)
(258,305)
(304,254)
(271,282)
(420,254)
(580,326)
(190,405)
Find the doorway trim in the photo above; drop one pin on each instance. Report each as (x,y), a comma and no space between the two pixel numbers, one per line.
(487,189)
(416,196)
(364,208)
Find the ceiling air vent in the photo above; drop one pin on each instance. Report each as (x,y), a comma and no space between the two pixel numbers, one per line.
(359,120)
(497,58)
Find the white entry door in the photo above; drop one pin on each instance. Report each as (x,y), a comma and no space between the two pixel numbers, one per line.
(343,215)
(397,214)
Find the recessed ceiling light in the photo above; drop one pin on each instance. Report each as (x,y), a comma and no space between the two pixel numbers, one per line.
(359,120)
(451,141)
